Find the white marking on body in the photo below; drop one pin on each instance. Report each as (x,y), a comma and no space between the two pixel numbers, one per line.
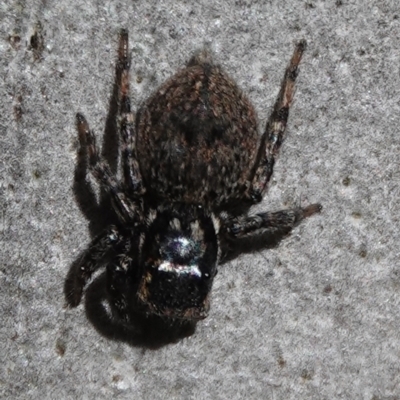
(151,216)
(197,232)
(178,269)
(175,224)
(216,222)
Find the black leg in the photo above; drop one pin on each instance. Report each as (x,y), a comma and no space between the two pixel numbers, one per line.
(117,285)
(124,207)
(90,261)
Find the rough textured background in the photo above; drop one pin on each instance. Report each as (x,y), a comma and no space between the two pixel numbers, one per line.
(317,316)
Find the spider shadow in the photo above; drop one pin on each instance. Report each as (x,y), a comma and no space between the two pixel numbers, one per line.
(150,332)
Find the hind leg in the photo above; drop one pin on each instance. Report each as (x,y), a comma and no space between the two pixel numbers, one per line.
(130,166)
(275,129)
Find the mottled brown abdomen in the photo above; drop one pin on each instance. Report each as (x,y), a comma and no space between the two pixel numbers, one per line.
(197,139)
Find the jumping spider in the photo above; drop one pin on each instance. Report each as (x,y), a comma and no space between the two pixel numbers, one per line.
(193,163)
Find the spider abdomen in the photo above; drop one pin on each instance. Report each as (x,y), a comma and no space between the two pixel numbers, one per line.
(197,139)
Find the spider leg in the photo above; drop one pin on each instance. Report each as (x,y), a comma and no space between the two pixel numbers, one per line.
(130,166)
(124,207)
(268,222)
(90,261)
(117,285)
(275,129)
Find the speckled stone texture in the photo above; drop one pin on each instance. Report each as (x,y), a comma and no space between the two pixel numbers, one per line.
(315,317)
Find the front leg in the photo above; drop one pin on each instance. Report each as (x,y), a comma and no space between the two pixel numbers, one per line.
(90,261)
(268,222)
(117,285)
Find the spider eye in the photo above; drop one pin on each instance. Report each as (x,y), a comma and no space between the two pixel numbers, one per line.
(181,250)
(180,255)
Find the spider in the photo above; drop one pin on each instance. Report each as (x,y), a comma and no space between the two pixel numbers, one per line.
(193,163)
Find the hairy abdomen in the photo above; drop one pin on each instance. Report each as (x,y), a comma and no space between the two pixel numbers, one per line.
(192,142)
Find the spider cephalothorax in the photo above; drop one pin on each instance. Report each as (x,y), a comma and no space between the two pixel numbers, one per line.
(193,162)
(178,261)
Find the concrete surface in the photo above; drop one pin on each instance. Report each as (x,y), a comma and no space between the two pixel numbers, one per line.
(316,317)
